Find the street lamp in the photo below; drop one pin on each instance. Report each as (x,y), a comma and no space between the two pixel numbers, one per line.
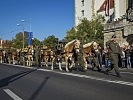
(23,30)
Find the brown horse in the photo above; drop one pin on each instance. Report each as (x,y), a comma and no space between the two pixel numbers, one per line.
(87,50)
(68,52)
(45,55)
(30,55)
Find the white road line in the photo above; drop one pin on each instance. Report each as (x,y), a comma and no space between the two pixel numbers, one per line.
(92,77)
(88,77)
(126,72)
(12,95)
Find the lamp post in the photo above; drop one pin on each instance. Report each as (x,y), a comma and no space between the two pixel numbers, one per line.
(22,30)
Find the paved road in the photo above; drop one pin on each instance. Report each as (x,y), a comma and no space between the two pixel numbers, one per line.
(20,83)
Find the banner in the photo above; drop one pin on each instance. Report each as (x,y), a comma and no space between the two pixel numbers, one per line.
(30,36)
(107,7)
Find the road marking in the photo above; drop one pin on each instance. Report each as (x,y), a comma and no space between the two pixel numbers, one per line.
(92,77)
(126,72)
(85,76)
(12,95)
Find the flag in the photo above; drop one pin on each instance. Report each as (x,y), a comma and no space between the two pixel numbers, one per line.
(107,7)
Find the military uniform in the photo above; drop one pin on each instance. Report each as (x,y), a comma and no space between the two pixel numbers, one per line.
(114,52)
(96,60)
(80,57)
(37,57)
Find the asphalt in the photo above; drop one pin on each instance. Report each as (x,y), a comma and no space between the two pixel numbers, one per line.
(30,83)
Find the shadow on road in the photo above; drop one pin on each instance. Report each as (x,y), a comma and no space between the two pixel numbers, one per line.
(7,80)
(34,95)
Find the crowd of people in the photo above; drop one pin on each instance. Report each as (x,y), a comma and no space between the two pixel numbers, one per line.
(113,56)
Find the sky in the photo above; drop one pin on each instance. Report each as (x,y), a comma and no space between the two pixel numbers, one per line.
(46,17)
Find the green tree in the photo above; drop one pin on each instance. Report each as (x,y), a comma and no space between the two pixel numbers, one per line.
(88,30)
(71,34)
(50,41)
(36,42)
(18,40)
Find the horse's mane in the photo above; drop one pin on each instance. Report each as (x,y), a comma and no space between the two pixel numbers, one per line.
(88,44)
(70,43)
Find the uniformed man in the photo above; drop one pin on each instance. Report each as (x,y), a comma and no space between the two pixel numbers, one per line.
(80,57)
(114,51)
(37,57)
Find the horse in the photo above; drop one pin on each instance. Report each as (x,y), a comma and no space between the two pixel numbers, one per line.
(14,55)
(88,48)
(56,55)
(45,55)
(69,49)
(30,54)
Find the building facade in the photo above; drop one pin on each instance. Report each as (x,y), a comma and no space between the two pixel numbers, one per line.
(121,24)
(86,9)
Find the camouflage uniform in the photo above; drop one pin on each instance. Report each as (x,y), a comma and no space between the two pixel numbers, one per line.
(37,57)
(114,52)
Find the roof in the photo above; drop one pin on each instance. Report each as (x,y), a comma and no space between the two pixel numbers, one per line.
(102,8)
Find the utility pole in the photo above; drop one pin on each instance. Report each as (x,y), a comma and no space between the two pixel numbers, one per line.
(93,8)
(23,32)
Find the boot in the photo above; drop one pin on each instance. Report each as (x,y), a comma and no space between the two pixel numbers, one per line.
(106,72)
(118,74)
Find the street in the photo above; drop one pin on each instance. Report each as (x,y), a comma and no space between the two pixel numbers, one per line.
(30,83)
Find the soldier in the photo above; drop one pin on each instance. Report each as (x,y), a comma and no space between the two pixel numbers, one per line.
(37,57)
(114,51)
(80,57)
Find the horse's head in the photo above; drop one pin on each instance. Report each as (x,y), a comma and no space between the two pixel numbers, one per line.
(76,46)
(95,45)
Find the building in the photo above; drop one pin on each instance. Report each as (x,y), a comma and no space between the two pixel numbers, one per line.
(86,9)
(119,21)
(118,15)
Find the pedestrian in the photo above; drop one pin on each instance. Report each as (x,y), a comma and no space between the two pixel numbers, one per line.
(114,51)
(107,60)
(128,56)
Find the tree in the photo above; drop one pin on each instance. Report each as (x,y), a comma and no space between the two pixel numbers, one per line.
(88,30)
(36,42)
(71,34)
(18,40)
(50,41)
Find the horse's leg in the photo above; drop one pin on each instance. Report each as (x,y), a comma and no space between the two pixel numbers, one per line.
(71,63)
(52,63)
(13,59)
(85,64)
(60,66)
(46,62)
(66,59)
(0,59)
(27,61)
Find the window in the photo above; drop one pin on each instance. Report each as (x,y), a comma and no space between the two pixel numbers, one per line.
(82,12)
(82,2)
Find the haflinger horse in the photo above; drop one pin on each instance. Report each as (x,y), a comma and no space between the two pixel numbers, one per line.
(45,55)
(30,55)
(69,49)
(14,55)
(87,49)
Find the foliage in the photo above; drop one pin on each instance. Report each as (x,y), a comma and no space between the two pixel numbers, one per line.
(36,42)
(50,41)
(88,31)
(18,40)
